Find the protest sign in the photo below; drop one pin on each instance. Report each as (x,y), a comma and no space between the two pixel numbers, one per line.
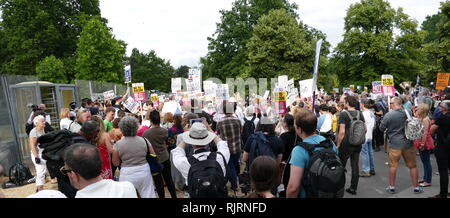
(222,92)
(108,95)
(266,95)
(387,80)
(132,105)
(176,85)
(195,78)
(292,92)
(442,81)
(127,74)
(388,91)
(376,87)
(139,92)
(306,88)
(283,82)
(279,98)
(336,90)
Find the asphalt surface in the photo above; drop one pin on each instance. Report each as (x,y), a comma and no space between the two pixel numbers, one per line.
(375,186)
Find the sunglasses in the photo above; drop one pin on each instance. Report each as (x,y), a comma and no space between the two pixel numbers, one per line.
(64,171)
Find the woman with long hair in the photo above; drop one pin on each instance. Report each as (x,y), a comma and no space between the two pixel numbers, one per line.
(425,144)
(105,147)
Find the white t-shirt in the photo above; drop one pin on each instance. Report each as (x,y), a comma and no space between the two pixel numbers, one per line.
(108,188)
(65,123)
(369,119)
(171,107)
(181,162)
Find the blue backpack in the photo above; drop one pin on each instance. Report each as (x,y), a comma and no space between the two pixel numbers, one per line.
(259,147)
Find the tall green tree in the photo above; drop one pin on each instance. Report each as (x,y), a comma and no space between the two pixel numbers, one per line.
(51,69)
(99,55)
(228,56)
(33,30)
(153,71)
(182,71)
(370,48)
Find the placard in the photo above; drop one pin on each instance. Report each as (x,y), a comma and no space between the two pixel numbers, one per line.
(377,87)
(108,95)
(387,80)
(283,81)
(131,105)
(442,81)
(176,85)
(127,74)
(195,78)
(139,92)
(388,90)
(306,88)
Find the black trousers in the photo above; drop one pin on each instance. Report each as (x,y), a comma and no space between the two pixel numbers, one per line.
(442,153)
(65,187)
(346,152)
(159,179)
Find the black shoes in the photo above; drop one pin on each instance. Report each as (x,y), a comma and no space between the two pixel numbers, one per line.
(351,191)
(372,172)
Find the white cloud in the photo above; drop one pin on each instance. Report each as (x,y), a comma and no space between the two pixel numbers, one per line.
(177,29)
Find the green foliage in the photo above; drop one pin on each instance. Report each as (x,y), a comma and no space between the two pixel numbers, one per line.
(100,56)
(228,55)
(370,48)
(153,71)
(182,71)
(33,30)
(51,69)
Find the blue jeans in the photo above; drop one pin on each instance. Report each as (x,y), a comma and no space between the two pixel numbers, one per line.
(233,165)
(367,157)
(427,170)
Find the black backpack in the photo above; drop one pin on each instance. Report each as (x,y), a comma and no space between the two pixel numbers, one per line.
(205,178)
(324,176)
(259,147)
(248,129)
(19,174)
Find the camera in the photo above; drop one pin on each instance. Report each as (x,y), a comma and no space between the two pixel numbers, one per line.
(33,107)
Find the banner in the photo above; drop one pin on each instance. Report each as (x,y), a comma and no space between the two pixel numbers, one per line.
(108,95)
(176,85)
(376,87)
(306,88)
(442,81)
(316,64)
(127,74)
(139,92)
(132,105)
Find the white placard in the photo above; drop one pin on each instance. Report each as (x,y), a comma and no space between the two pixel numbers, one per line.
(195,78)
(292,92)
(306,88)
(176,85)
(266,95)
(109,95)
(210,88)
(222,91)
(132,105)
(283,81)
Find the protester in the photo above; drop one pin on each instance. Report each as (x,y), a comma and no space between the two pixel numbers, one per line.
(346,150)
(158,136)
(83,166)
(65,119)
(36,152)
(230,129)
(115,134)
(381,109)
(394,122)
(442,151)
(171,106)
(199,136)
(305,127)
(368,165)
(264,177)
(130,153)
(167,121)
(109,117)
(146,124)
(83,115)
(325,123)
(105,147)
(174,131)
(425,144)
(250,123)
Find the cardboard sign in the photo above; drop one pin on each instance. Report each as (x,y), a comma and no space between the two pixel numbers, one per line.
(376,87)
(279,96)
(388,90)
(154,97)
(138,87)
(222,92)
(108,95)
(283,82)
(306,88)
(442,81)
(139,92)
(195,80)
(266,95)
(352,87)
(336,90)
(176,85)
(127,74)
(387,80)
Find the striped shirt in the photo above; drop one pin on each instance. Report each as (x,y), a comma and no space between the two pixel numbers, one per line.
(229,129)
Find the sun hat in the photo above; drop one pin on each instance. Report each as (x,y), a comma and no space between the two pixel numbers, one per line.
(198,135)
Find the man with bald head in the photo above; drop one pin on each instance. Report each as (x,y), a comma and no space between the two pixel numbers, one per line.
(394,122)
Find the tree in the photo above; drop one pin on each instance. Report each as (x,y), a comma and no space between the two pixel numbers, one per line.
(153,71)
(227,56)
(51,69)
(37,29)
(100,56)
(182,71)
(370,48)
(279,47)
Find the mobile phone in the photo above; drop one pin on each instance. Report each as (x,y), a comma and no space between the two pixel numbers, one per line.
(196,121)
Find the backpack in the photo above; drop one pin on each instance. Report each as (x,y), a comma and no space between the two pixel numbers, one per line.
(259,147)
(324,176)
(413,128)
(357,130)
(205,178)
(19,174)
(248,129)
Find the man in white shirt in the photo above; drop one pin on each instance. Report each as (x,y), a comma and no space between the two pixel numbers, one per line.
(368,166)
(199,136)
(41,108)
(83,165)
(171,106)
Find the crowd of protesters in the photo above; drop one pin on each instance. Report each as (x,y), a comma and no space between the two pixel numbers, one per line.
(182,133)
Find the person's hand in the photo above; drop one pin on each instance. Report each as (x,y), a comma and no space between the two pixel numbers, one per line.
(37,160)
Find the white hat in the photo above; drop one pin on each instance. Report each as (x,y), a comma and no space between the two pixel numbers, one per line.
(198,135)
(47,194)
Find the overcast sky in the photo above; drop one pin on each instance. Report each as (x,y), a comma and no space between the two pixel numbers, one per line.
(177,29)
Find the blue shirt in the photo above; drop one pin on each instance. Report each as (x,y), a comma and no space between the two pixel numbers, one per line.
(320,121)
(437,113)
(300,157)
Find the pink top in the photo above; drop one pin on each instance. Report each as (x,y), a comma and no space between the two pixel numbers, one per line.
(142,130)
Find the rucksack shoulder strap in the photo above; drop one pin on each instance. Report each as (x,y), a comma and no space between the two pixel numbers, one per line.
(254,118)
(227,169)
(192,160)
(349,115)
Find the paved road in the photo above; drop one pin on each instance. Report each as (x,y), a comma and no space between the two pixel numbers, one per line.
(374,186)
